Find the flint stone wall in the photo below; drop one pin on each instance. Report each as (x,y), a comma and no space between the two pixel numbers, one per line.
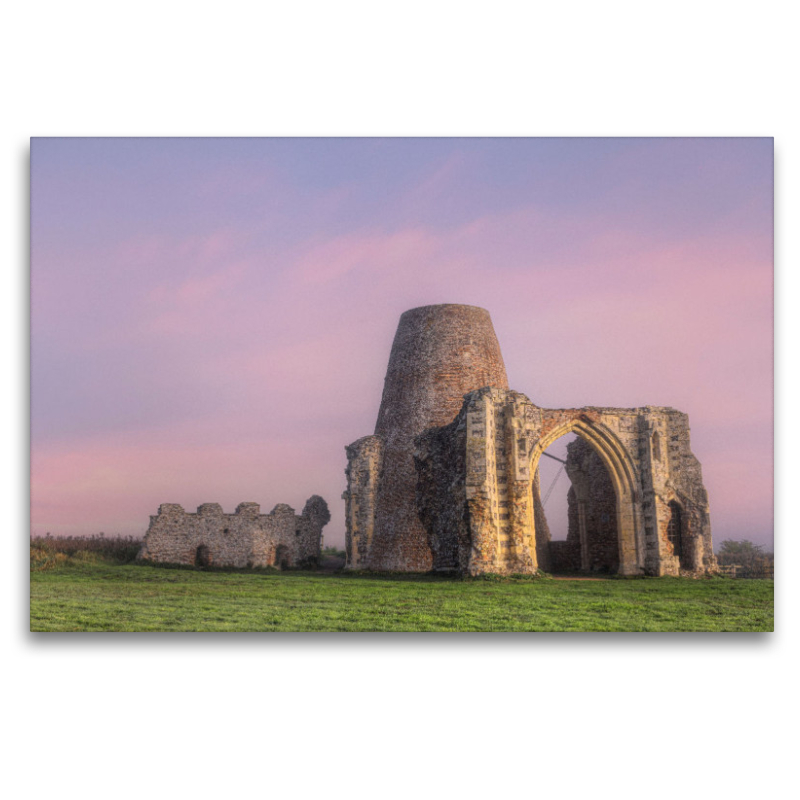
(246,538)
(478,510)
(449,481)
(439,353)
(364,466)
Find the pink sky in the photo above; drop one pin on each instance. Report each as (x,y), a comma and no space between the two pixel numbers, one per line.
(211,319)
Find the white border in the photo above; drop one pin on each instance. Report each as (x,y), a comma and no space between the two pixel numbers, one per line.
(201,715)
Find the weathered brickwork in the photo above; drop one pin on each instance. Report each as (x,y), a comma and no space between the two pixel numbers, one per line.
(439,354)
(246,538)
(450,479)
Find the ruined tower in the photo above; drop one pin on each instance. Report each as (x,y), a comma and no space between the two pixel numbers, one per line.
(440,353)
(449,480)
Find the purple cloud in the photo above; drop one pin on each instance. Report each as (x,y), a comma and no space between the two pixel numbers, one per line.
(212,320)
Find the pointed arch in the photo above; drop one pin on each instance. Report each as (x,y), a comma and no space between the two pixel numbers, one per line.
(605,442)
(619,465)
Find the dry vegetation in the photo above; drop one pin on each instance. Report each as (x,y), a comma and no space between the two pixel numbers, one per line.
(49,552)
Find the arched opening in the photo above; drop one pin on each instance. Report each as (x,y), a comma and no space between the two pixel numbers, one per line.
(576,527)
(604,517)
(202,556)
(554,488)
(282,559)
(655,445)
(676,534)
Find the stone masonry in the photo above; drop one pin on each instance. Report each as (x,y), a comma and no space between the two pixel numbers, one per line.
(246,538)
(439,354)
(591,543)
(452,485)
(629,470)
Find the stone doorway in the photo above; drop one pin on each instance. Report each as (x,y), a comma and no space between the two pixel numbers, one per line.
(282,559)
(202,556)
(576,530)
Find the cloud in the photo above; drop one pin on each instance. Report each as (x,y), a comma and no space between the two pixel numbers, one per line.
(231,355)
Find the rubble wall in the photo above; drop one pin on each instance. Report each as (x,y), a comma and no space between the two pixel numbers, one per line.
(449,480)
(246,538)
(364,464)
(441,452)
(672,474)
(439,354)
(624,479)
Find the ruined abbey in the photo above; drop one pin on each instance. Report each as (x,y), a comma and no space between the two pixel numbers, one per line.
(449,481)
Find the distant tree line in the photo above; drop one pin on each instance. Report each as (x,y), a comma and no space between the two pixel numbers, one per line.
(751,559)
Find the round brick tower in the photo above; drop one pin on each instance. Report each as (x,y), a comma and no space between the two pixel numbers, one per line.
(439,354)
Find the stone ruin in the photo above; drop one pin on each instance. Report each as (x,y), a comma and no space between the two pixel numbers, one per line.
(450,481)
(246,538)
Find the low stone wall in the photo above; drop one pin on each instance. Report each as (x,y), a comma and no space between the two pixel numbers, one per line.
(246,538)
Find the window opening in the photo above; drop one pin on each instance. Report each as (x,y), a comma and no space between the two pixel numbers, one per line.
(674,529)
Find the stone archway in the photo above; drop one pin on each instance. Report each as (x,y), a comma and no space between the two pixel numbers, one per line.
(282,557)
(478,497)
(620,470)
(202,556)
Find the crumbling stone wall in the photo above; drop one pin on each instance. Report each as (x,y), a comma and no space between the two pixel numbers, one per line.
(440,453)
(439,354)
(449,480)
(622,487)
(246,538)
(364,462)
(672,474)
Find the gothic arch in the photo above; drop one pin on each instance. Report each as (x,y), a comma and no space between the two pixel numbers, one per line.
(620,468)
(282,557)
(675,530)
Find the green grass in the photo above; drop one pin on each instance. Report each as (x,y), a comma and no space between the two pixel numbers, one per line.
(92,595)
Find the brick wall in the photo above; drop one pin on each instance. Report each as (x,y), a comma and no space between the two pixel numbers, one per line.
(439,354)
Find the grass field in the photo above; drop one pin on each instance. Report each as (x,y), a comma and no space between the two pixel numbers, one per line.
(89,594)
